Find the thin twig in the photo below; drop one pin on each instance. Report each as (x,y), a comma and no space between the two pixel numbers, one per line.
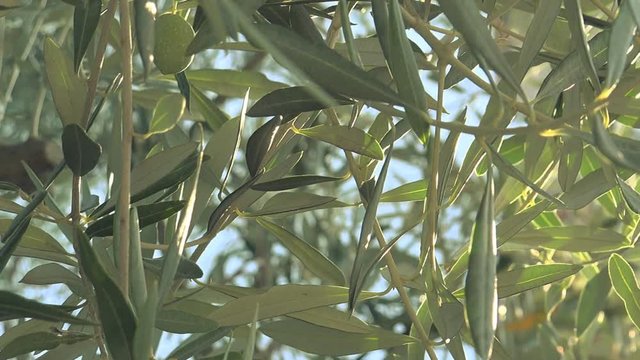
(127,136)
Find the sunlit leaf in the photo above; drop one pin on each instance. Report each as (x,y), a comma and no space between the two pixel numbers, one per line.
(68,90)
(481,283)
(571,238)
(47,274)
(310,257)
(166,114)
(325,341)
(233,83)
(281,300)
(625,285)
(346,138)
(295,202)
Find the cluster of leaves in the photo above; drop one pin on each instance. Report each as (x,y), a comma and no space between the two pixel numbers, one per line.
(535,184)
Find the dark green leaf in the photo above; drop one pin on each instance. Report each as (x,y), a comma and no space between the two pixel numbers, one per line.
(302,24)
(625,285)
(181,322)
(184,87)
(325,341)
(294,202)
(86,17)
(158,172)
(293,182)
(148,214)
(12,237)
(14,306)
(465,18)
(81,153)
(187,269)
(39,341)
(292,100)
(114,311)
(592,299)
(481,283)
(259,144)
(323,65)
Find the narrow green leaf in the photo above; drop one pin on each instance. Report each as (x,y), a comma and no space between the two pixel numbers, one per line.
(622,32)
(592,300)
(81,153)
(47,274)
(292,100)
(158,172)
(137,279)
(515,281)
(630,195)
(114,311)
(622,151)
(147,215)
(573,11)
(625,285)
(259,144)
(166,114)
(187,269)
(465,18)
(39,341)
(68,90)
(294,202)
(293,182)
(143,340)
(184,87)
(14,306)
(347,138)
(454,76)
(12,237)
(211,114)
(329,342)
(233,83)
(323,65)
(512,171)
(302,24)
(310,257)
(571,238)
(358,276)
(181,322)
(281,300)
(144,13)
(411,191)
(86,17)
(197,343)
(405,72)
(481,283)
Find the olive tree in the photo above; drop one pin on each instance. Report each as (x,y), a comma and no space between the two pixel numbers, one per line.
(272,178)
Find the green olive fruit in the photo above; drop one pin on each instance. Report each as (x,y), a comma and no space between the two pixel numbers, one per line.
(172,36)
